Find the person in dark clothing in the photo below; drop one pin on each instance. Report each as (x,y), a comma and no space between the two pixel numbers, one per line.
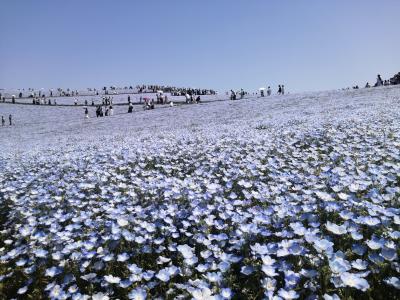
(198,99)
(130,108)
(92,102)
(129,99)
(2,121)
(98,111)
(379,81)
(279,90)
(10,119)
(85,102)
(86,113)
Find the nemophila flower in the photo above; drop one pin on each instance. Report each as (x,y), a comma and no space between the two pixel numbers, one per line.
(53,271)
(163,275)
(356,236)
(123,257)
(288,294)
(224,266)
(324,196)
(336,229)
(393,281)
(339,265)
(186,251)
(134,269)
(374,244)
(308,273)
(291,279)
(57,292)
(89,277)
(331,297)
(359,264)
(100,296)
(323,245)
(122,222)
(21,262)
(137,294)
(203,294)
(22,290)
(260,249)
(226,293)
(355,281)
(125,283)
(268,260)
(370,221)
(112,279)
(298,228)
(214,276)
(191,261)
(358,249)
(269,270)
(389,254)
(41,253)
(247,270)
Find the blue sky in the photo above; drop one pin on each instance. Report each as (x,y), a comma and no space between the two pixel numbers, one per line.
(306,45)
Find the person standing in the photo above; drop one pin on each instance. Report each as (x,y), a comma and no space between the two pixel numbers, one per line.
(111,111)
(86,113)
(10,119)
(2,121)
(283,90)
(269,91)
(279,90)
(379,81)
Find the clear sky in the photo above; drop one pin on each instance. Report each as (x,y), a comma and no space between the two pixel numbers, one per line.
(220,44)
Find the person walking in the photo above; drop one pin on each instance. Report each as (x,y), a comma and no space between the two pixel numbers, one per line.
(86,113)
(279,90)
(283,90)
(10,119)
(111,111)
(269,91)
(2,121)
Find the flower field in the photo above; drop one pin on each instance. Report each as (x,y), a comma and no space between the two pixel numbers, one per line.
(293,197)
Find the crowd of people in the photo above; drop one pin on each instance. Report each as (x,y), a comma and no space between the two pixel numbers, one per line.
(101,111)
(234,95)
(111,90)
(380,82)
(174,91)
